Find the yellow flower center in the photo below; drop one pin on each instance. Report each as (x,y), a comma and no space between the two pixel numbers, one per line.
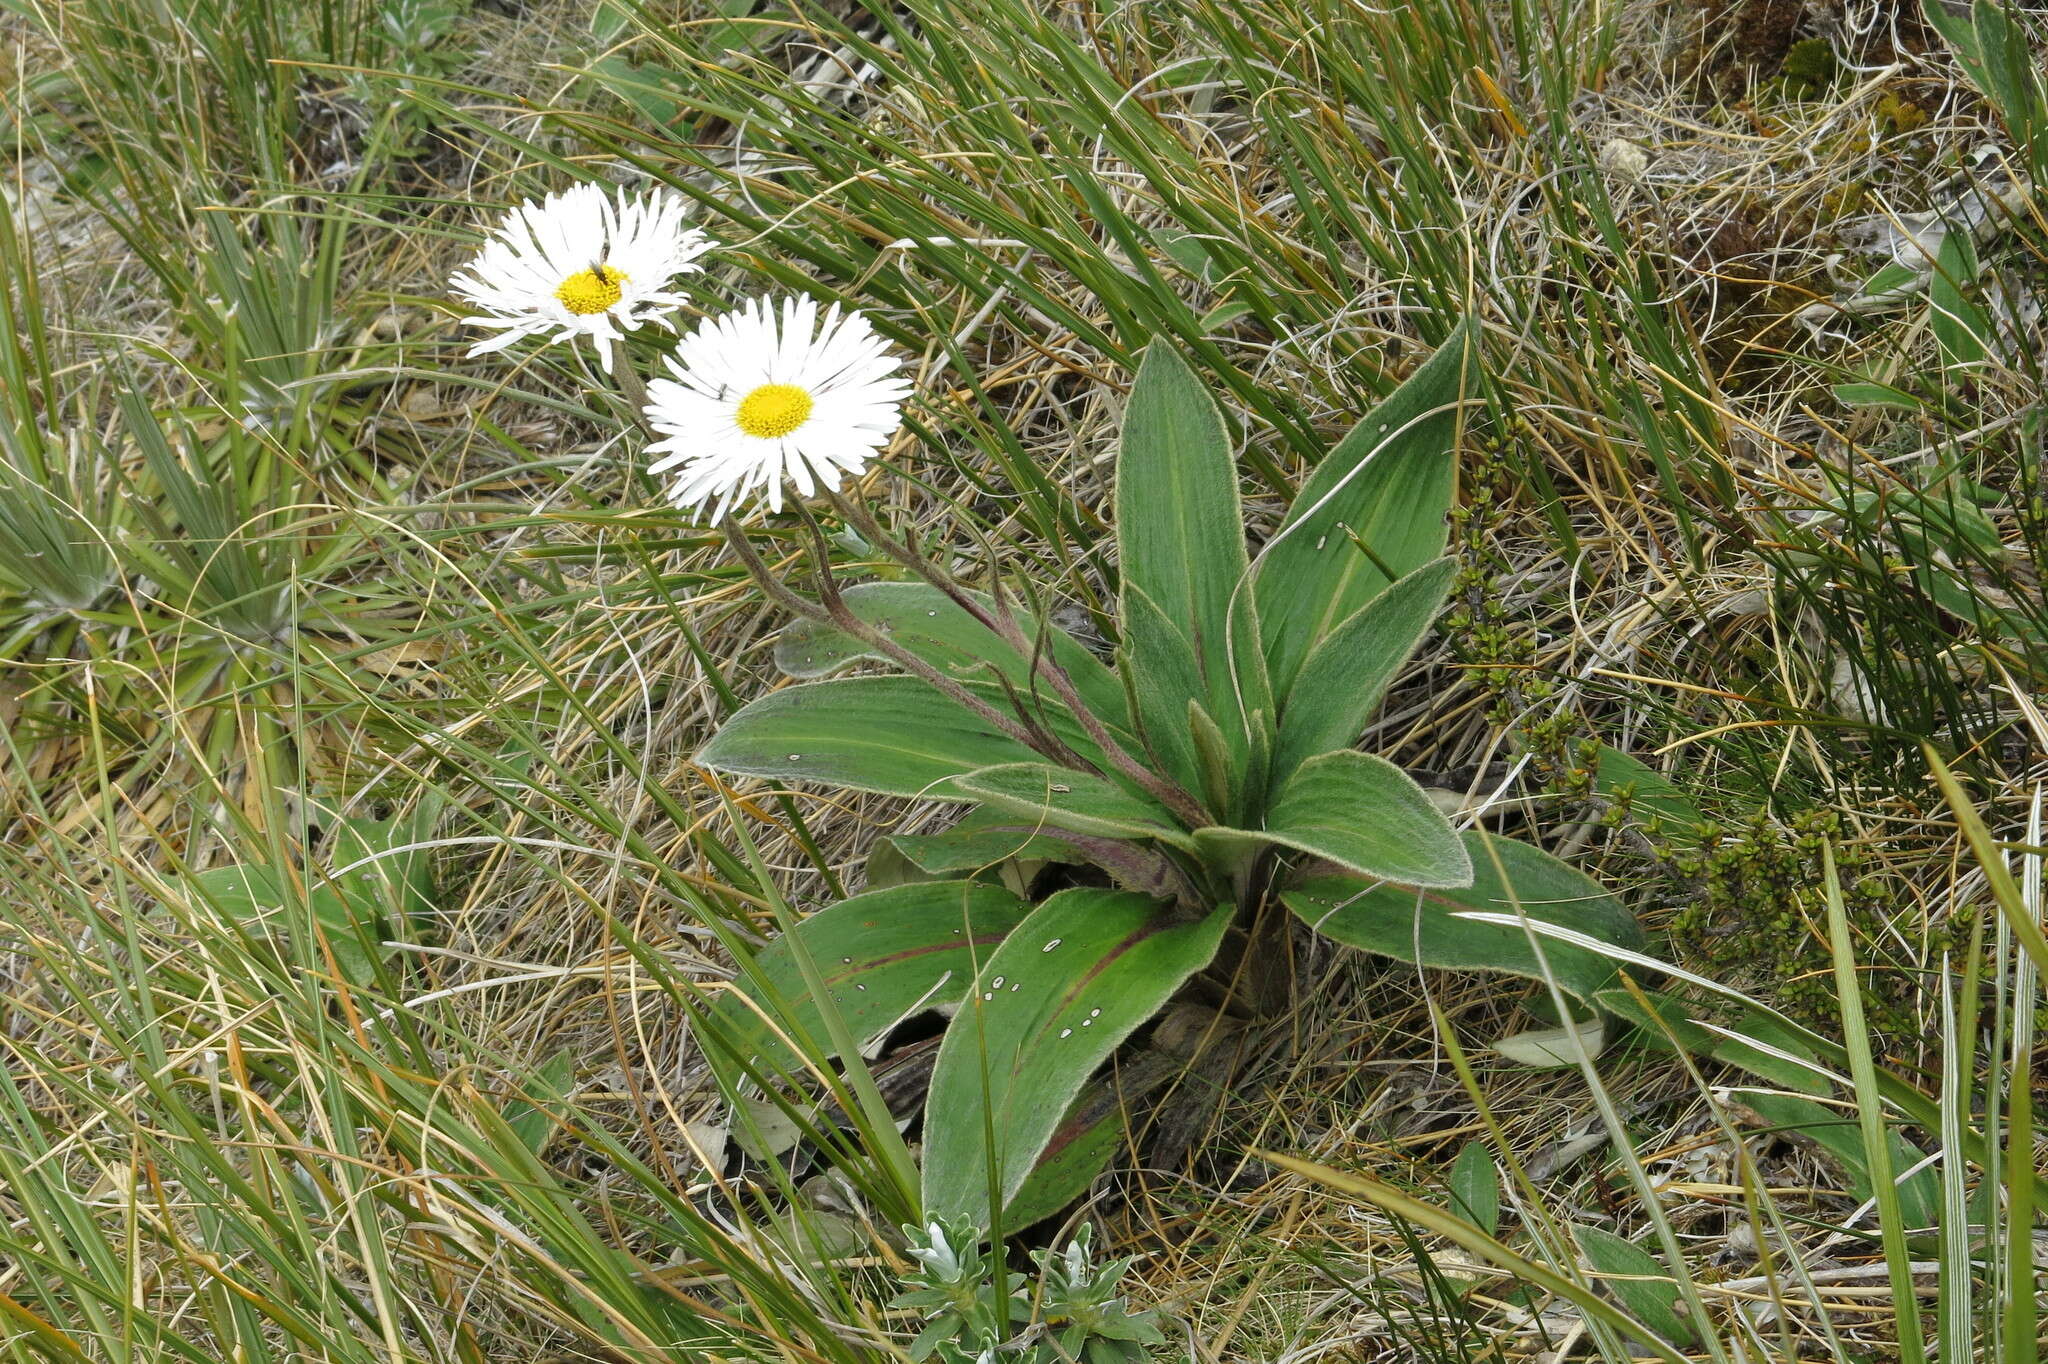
(773,410)
(591,291)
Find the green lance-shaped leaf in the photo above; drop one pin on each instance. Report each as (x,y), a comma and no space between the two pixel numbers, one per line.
(893,735)
(1179,524)
(2015,74)
(1363,813)
(923,620)
(1073,981)
(1758,1041)
(1962,330)
(1961,36)
(1842,1138)
(1475,1187)
(1253,733)
(984,838)
(1089,1134)
(1342,681)
(1079,1148)
(1651,794)
(1786,1058)
(261,899)
(1423,927)
(1387,486)
(542,1098)
(1164,675)
(380,858)
(1640,1281)
(882,956)
(1066,799)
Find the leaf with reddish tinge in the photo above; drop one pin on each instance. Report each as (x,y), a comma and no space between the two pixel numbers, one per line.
(1084,971)
(882,955)
(897,736)
(1065,799)
(920,618)
(984,838)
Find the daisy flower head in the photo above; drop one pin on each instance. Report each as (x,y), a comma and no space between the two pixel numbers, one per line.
(761,395)
(581,263)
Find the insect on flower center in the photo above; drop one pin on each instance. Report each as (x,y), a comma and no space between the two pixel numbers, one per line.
(592,290)
(773,410)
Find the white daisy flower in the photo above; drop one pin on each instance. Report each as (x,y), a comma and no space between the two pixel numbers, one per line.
(756,400)
(581,263)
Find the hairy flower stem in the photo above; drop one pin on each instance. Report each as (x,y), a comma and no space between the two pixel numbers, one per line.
(844,620)
(632,387)
(1003,623)
(843,617)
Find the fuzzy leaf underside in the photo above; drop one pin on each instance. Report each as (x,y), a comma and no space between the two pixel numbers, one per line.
(1765,1046)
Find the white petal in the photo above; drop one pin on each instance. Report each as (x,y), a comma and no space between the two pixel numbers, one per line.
(513,279)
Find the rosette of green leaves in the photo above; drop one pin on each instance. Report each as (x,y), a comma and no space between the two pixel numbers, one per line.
(1239,685)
